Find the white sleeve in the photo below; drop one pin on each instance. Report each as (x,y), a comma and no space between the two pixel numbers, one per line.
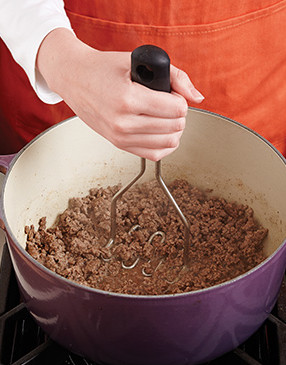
(23,26)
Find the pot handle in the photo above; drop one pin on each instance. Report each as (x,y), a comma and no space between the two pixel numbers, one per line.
(5,161)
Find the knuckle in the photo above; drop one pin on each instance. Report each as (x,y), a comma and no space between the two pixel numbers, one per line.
(180,124)
(181,75)
(173,141)
(127,103)
(119,127)
(182,108)
(117,138)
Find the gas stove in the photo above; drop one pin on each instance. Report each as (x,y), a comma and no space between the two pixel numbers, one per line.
(23,342)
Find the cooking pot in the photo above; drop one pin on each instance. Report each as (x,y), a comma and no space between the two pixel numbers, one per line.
(190,328)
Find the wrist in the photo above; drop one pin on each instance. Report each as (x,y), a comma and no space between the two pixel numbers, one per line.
(57,56)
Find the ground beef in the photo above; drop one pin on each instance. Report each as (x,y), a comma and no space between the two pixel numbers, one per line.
(225,240)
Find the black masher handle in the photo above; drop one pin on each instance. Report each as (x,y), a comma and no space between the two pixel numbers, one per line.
(150,66)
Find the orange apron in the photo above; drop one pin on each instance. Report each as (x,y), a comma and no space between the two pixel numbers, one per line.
(234,52)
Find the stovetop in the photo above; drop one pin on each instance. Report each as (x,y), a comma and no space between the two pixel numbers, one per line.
(23,342)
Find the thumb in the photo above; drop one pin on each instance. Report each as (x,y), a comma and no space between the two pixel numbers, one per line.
(181,84)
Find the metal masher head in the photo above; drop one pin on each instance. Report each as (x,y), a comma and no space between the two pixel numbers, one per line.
(150,66)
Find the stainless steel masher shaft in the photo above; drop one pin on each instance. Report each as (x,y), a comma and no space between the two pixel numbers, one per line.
(168,194)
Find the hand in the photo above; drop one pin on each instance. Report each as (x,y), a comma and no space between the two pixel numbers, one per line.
(98,88)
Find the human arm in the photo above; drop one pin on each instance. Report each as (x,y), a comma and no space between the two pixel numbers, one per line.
(97,86)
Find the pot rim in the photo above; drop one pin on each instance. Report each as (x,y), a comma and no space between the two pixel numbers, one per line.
(230,282)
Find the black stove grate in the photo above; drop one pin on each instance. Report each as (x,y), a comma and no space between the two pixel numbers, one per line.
(23,342)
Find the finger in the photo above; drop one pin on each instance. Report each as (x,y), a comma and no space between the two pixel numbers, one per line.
(181,84)
(150,154)
(155,103)
(152,141)
(144,124)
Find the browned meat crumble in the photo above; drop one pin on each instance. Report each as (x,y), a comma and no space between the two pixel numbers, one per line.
(225,239)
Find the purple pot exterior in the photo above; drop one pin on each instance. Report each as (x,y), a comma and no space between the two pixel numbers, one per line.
(115,329)
(5,160)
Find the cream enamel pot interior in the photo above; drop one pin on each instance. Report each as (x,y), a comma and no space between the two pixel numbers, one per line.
(191,328)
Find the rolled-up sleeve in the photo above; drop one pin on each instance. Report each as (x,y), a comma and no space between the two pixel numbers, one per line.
(23,26)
